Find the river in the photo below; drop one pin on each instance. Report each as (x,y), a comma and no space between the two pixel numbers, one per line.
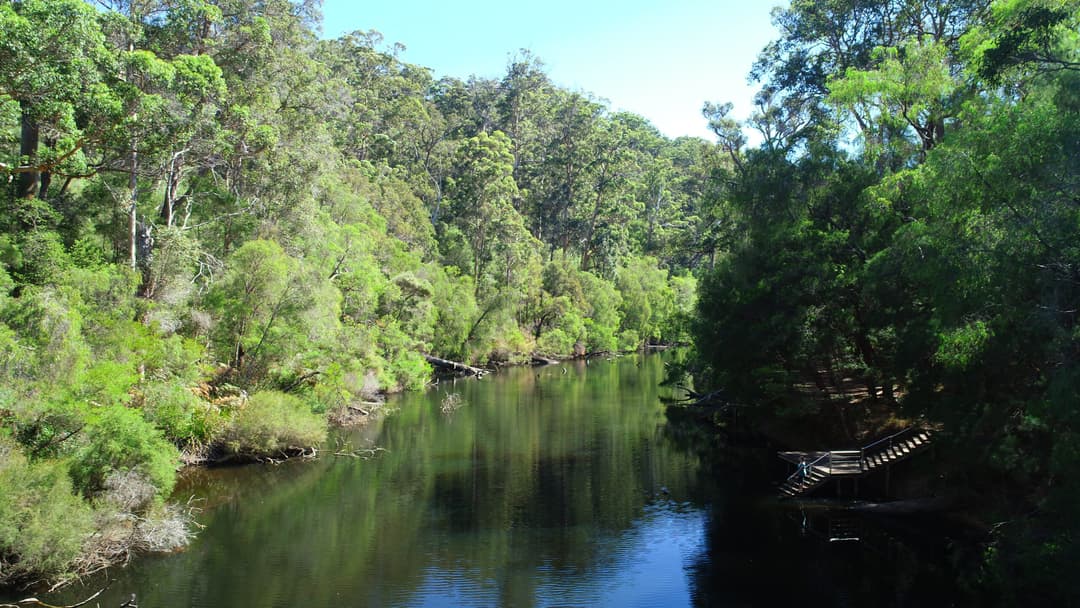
(557,486)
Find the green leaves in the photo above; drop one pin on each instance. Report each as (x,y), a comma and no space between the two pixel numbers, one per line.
(273,424)
(912,86)
(1024,35)
(42,523)
(267,304)
(962,347)
(119,439)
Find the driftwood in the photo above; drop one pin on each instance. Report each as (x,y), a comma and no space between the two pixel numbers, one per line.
(33,601)
(541,360)
(455,367)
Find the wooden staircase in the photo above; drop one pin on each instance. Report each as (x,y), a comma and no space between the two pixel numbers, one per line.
(852,463)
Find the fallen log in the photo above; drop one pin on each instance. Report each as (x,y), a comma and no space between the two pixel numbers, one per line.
(455,367)
(541,360)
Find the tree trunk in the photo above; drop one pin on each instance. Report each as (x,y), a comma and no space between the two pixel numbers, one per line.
(29,138)
(46,181)
(133,208)
(454,366)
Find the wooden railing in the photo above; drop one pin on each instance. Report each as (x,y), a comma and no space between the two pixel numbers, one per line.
(897,446)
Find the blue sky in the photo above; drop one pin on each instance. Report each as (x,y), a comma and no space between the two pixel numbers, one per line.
(658,59)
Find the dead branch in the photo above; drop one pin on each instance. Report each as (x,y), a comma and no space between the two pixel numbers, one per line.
(33,601)
(454,366)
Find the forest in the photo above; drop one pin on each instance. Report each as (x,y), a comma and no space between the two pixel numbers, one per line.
(220,231)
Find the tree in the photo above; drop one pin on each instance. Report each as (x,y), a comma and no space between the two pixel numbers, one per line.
(54,56)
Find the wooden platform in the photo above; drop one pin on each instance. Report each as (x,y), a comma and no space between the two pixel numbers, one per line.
(850,463)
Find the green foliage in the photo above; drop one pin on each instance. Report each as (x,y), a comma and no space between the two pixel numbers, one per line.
(961,347)
(106,383)
(455,305)
(266,304)
(119,439)
(48,325)
(45,429)
(43,258)
(185,419)
(272,424)
(647,301)
(935,264)
(43,525)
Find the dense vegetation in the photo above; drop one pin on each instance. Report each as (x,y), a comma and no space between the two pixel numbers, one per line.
(204,200)
(909,223)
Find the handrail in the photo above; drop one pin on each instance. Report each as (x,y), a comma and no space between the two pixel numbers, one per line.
(890,437)
(810,466)
(845,456)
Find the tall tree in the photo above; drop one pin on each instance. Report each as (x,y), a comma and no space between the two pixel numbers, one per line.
(53,59)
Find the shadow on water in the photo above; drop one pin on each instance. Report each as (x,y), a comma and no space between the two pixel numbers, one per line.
(557,486)
(762,551)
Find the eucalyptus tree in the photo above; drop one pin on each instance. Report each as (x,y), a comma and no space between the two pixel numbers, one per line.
(54,90)
(891,67)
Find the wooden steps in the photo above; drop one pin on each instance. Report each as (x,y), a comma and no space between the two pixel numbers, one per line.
(848,463)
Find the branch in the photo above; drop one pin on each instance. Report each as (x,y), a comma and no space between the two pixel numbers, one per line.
(43,166)
(33,601)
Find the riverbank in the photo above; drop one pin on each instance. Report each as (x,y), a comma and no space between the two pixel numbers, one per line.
(138,448)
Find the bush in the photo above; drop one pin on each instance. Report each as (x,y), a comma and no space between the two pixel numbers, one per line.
(43,524)
(184,418)
(45,428)
(411,371)
(600,338)
(555,342)
(121,440)
(43,257)
(273,423)
(106,383)
(629,340)
(49,327)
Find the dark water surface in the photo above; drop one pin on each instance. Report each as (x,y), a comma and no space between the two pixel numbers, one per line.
(557,486)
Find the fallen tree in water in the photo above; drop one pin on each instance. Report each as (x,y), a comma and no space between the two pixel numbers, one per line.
(455,367)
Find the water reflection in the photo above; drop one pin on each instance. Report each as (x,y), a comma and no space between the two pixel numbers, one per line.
(562,486)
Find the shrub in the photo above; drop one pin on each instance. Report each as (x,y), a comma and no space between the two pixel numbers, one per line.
(50,327)
(43,524)
(411,371)
(106,383)
(599,337)
(46,428)
(273,423)
(174,357)
(121,440)
(43,257)
(629,340)
(184,418)
(555,342)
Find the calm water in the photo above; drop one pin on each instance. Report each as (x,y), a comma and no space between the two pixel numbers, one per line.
(558,486)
